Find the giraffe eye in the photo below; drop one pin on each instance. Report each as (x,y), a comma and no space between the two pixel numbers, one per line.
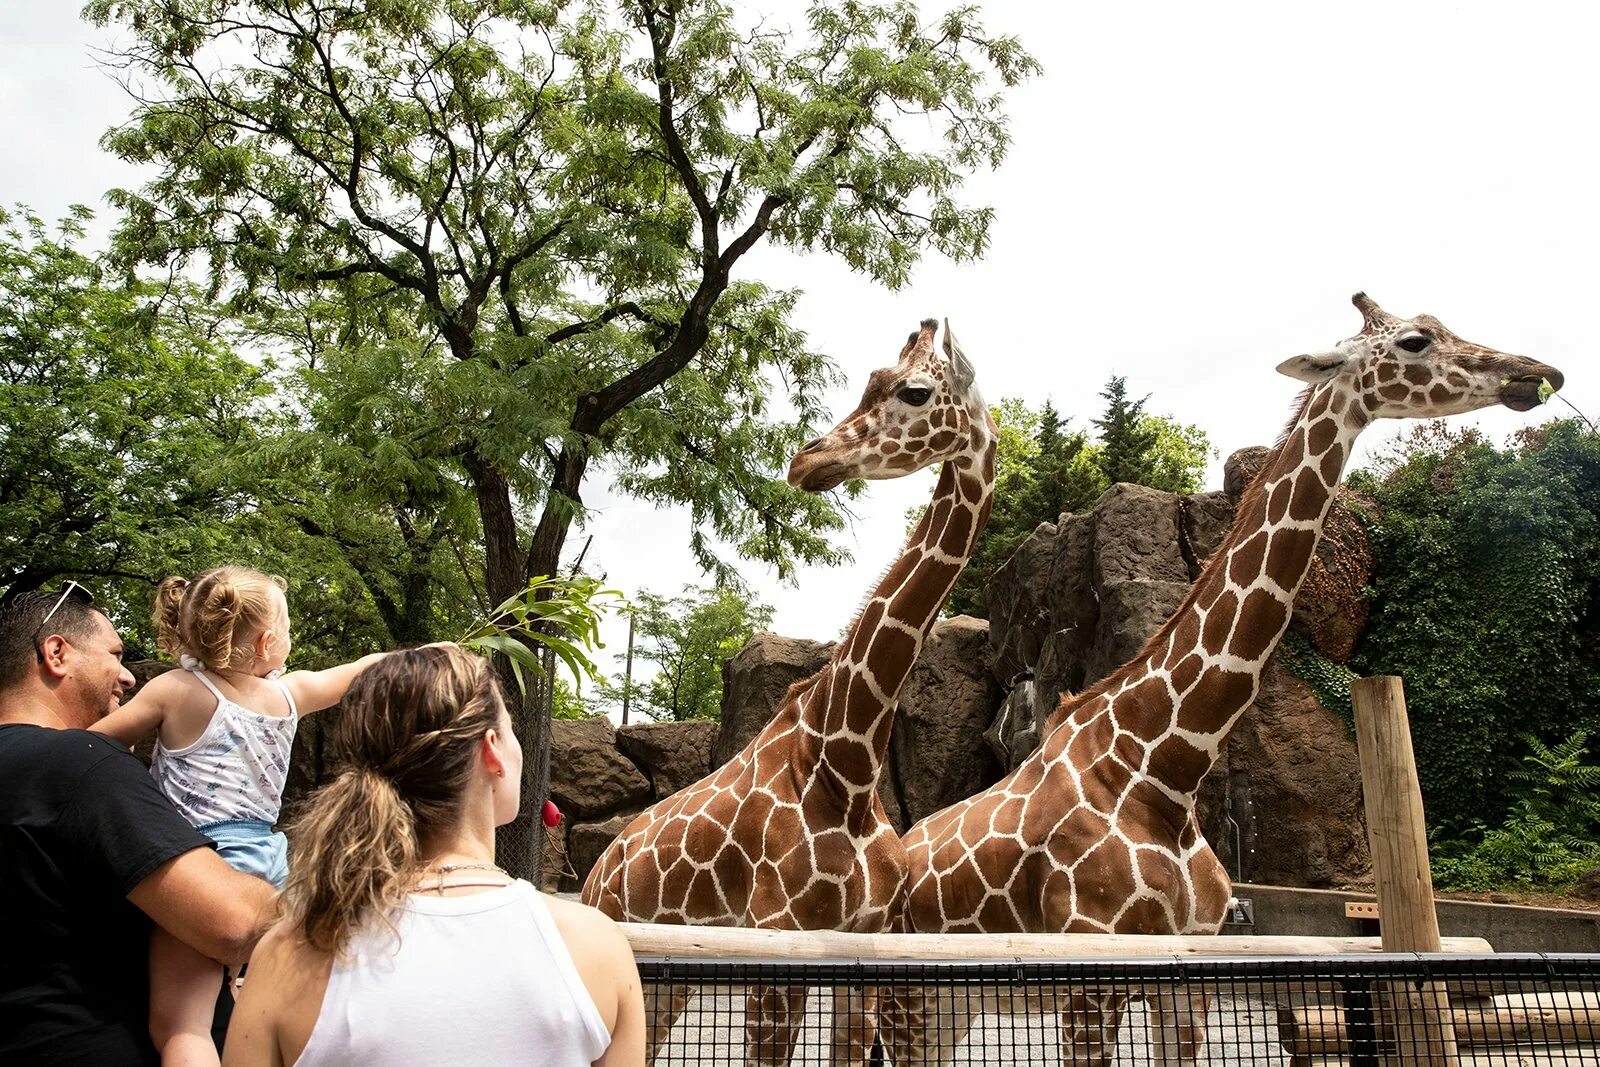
(1414,342)
(915,395)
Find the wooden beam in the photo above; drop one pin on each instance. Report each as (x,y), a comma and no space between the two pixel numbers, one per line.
(1548,1019)
(712,942)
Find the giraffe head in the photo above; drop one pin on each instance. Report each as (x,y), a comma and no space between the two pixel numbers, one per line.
(1415,368)
(920,411)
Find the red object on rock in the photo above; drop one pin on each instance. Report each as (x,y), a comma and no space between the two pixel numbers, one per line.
(552,814)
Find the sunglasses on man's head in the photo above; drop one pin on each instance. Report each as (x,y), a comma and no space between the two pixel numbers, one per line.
(71,591)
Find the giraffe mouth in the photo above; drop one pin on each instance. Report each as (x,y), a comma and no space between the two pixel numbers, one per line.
(825,478)
(818,478)
(1524,392)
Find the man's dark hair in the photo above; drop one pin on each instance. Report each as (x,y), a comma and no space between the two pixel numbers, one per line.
(23,628)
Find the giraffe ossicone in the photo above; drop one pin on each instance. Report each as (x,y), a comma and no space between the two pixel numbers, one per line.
(1096,830)
(790,833)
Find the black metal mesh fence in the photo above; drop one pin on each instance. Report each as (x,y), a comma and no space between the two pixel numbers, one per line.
(1349,1011)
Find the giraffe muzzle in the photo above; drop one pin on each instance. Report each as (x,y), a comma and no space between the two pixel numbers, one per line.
(814,474)
(1524,392)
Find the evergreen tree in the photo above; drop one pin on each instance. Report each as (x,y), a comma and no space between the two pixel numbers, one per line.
(1126,438)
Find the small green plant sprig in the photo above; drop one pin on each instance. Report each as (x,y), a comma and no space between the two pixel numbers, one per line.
(559,614)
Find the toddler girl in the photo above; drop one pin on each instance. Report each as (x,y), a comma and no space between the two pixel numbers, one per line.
(225,724)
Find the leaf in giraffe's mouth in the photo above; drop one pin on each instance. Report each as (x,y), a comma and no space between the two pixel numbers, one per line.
(1525,393)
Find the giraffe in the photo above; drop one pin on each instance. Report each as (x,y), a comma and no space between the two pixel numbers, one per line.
(790,834)
(1096,830)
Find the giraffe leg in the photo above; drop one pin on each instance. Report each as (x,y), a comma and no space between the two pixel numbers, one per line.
(1089,1025)
(854,1026)
(923,1027)
(663,1007)
(1178,1025)
(772,1018)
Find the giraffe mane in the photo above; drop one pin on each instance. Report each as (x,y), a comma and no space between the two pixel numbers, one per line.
(1070,704)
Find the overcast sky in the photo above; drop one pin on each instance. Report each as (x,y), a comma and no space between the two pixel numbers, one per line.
(1193,193)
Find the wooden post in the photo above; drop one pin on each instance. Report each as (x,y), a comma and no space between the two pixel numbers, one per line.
(627,678)
(1419,1020)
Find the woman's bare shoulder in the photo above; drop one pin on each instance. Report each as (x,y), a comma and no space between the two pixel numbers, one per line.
(580,919)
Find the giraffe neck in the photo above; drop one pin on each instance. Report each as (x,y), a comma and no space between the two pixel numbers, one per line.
(1213,650)
(850,709)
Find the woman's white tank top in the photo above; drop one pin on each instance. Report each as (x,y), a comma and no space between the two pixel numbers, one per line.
(479,979)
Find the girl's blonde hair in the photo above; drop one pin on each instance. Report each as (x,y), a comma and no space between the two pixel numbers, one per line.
(215,616)
(405,746)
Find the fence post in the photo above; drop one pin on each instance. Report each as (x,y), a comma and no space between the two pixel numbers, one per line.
(1419,1018)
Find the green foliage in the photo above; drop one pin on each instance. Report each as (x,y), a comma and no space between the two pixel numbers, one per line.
(1043,469)
(568,703)
(1487,602)
(688,638)
(558,616)
(118,400)
(1550,835)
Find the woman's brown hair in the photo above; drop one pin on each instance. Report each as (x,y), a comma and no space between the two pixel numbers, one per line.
(215,616)
(404,746)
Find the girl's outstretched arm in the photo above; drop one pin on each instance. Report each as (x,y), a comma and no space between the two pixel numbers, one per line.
(144,714)
(316,690)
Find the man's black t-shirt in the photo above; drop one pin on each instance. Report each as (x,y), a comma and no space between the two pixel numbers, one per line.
(81,824)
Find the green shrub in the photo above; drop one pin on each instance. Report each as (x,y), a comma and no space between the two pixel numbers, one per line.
(1487,602)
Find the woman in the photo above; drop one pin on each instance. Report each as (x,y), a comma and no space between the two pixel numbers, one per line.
(400,941)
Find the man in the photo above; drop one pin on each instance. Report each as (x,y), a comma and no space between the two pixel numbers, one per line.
(90,851)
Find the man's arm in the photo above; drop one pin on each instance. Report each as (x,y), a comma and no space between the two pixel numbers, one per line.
(197,898)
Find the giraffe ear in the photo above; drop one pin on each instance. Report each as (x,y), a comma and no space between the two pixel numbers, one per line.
(959,366)
(1315,368)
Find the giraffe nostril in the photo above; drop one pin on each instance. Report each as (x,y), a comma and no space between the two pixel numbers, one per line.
(811,445)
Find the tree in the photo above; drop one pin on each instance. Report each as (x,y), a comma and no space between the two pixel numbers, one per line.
(1126,439)
(688,638)
(555,203)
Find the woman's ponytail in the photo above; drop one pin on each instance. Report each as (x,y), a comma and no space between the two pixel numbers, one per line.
(355,849)
(406,744)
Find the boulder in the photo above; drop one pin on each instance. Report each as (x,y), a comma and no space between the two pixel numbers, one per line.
(1589,884)
(1241,468)
(671,754)
(588,776)
(1130,613)
(1207,518)
(936,754)
(754,683)
(584,844)
(1021,603)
